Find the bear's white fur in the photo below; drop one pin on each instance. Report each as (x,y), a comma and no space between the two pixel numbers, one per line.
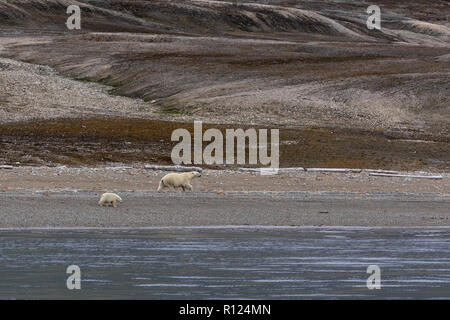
(178,180)
(109,199)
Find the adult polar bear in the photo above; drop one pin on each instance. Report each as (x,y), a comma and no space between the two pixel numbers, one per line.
(177,180)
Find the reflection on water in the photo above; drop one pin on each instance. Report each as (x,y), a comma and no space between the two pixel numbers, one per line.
(211,263)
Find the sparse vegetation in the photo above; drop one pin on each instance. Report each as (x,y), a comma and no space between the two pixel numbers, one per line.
(96,141)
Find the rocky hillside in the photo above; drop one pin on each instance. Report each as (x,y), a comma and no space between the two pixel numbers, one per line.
(344,19)
(307,63)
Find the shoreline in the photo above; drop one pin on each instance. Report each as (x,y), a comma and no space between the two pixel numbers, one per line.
(66,197)
(79,210)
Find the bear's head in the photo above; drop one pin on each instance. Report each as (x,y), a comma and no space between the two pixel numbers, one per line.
(196,174)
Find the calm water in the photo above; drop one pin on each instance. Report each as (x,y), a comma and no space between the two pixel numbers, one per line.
(207,263)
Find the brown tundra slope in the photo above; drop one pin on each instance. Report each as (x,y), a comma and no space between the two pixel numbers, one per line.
(268,62)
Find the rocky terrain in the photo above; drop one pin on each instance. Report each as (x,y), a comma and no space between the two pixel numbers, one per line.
(134,179)
(286,63)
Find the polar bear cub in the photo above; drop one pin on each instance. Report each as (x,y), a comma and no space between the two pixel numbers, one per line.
(109,199)
(177,180)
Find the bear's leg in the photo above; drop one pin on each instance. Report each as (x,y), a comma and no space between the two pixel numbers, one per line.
(114,203)
(189,187)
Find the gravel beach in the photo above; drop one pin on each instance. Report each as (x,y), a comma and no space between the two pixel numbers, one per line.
(67,197)
(149,209)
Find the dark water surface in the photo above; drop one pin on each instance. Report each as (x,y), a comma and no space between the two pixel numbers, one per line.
(225,263)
